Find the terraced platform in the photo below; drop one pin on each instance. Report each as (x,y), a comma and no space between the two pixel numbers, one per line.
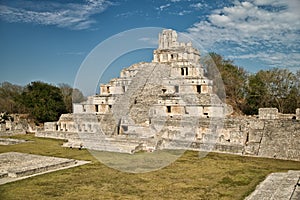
(10,141)
(278,186)
(15,166)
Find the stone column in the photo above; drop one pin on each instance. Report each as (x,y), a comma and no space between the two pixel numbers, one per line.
(298,113)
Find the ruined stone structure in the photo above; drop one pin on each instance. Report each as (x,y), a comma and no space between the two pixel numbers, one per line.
(14,124)
(169,104)
(15,166)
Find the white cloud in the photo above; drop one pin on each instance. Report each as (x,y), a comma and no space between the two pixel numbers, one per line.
(132,13)
(66,15)
(163,7)
(184,12)
(197,6)
(267,2)
(269,26)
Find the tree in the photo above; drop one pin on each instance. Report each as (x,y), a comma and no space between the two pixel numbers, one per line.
(70,96)
(9,93)
(233,77)
(77,96)
(292,100)
(212,62)
(66,91)
(273,88)
(43,101)
(256,91)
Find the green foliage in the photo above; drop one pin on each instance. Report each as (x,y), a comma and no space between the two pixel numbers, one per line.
(70,96)
(9,93)
(256,88)
(246,92)
(273,88)
(212,64)
(43,101)
(279,88)
(234,79)
(66,91)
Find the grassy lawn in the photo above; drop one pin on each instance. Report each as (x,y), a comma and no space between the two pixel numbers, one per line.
(217,176)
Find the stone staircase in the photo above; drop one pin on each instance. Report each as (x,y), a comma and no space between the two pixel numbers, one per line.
(278,186)
(123,102)
(121,143)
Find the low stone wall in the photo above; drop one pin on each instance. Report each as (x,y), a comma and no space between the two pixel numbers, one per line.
(268,113)
(272,138)
(11,133)
(10,141)
(265,138)
(57,135)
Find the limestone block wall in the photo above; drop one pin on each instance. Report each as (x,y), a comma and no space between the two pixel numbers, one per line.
(50,126)
(251,136)
(57,135)
(2,127)
(173,92)
(77,108)
(268,113)
(298,113)
(278,138)
(16,124)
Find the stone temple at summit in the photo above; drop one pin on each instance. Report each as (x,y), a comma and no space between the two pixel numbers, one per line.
(174,72)
(170,103)
(150,106)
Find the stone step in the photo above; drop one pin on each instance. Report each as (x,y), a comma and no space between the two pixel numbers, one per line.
(35,169)
(104,145)
(10,141)
(118,144)
(14,164)
(277,186)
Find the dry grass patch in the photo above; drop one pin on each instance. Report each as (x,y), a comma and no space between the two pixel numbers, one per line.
(217,176)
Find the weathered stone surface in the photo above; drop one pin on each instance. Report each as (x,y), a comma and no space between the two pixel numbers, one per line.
(298,113)
(268,138)
(13,124)
(169,103)
(268,113)
(9,141)
(277,186)
(14,165)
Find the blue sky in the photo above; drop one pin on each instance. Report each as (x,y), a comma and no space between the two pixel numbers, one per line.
(49,40)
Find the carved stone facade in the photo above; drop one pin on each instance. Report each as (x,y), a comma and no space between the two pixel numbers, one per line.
(183,74)
(169,104)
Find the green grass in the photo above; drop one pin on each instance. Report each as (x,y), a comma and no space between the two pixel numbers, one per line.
(217,176)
